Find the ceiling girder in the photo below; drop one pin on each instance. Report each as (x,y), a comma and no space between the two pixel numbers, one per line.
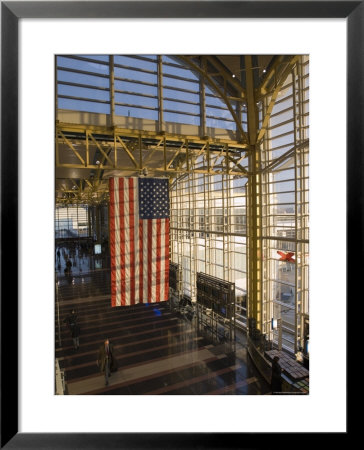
(227,75)
(274,96)
(171,149)
(189,61)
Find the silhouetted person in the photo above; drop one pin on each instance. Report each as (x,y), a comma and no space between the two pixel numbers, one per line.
(75,333)
(68,265)
(106,361)
(58,255)
(71,321)
(71,318)
(276,381)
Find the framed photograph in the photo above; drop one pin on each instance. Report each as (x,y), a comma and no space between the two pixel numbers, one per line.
(32,34)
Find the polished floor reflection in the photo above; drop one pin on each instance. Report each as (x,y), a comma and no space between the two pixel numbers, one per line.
(158,351)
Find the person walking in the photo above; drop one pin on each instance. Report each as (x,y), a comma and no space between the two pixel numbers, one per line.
(68,265)
(71,321)
(75,333)
(276,381)
(71,318)
(105,360)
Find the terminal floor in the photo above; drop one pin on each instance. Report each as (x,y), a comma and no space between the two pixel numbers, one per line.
(158,351)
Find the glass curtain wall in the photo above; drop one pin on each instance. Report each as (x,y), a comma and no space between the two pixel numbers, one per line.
(209,218)
(71,221)
(181,93)
(83,83)
(139,86)
(208,231)
(285,210)
(208,212)
(217,113)
(82,221)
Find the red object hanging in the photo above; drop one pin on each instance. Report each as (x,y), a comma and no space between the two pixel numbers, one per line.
(286,256)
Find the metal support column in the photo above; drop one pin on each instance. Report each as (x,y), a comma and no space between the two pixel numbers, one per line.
(112,91)
(297,138)
(56,93)
(253,206)
(203,100)
(161,126)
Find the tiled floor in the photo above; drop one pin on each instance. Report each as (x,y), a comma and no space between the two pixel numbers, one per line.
(157,351)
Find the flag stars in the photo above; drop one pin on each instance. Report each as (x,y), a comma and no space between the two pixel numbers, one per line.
(153,196)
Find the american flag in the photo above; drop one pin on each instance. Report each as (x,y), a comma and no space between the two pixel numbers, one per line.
(139,240)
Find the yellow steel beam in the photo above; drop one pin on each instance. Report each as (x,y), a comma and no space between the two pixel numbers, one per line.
(285,156)
(240,159)
(173,171)
(214,160)
(159,143)
(115,152)
(254,272)
(207,156)
(219,91)
(227,161)
(271,73)
(199,152)
(251,103)
(127,151)
(175,156)
(57,153)
(75,185)
(155,148)
(242,170)
(100,148)
(87,151)
(236,163)
(69,144)
(164,154)
(187,156)
(227,75)
(140,152)
(125,132)
(90,166)
(273,99)
(200,171)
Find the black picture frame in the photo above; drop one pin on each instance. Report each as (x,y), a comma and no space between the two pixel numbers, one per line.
(11,12)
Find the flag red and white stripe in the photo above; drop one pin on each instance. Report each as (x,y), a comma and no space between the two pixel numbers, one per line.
(139,248)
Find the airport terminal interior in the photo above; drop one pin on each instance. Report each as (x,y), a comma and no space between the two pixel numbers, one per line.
(181,224)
